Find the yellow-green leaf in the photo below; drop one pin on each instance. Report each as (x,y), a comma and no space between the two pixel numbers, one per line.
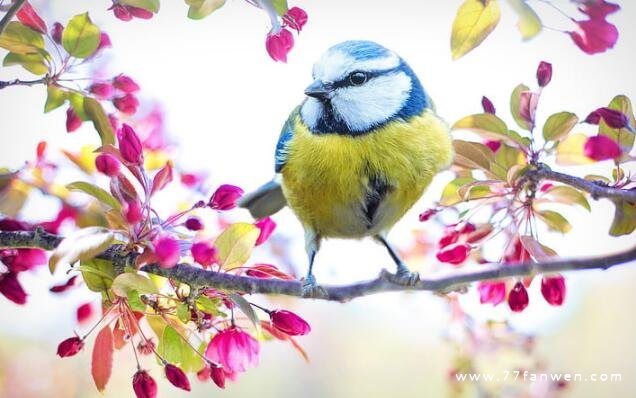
(474,21)
(570,150)
(84,244)
(77,103)
(451,194)
(20,39)
(98,193)
(80,37)
(149,5)
(472,155)
(128,281)
(96,114)
(55,98)
(529,23)
(505,158)
(490,127)
(280,6)
(567,195)
(559,125)
(554,221)
(538,251)
(624,221)
(97,274)
(34,62)
(515,102)
(623,136)
(235,244)
(202,8)
(171,346)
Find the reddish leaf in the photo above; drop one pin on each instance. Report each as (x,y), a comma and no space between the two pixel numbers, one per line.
(30,18)
(162,178)
(102,362)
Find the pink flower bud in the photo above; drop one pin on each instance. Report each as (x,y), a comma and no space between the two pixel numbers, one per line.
(107,164)
(518,298)
(544,73)
(144,385)
(204,253)
(73,122)
(491,292)
(279,45)
(104,41)
(64,286)
(267,226)
(177,377)
(56,32)
(101,90)
(289,323)
(467,228)
(487,105)
(594,36)
(125,84)
(295,18)
(225,197)
(24,259)
(130,145)
(139,12)
(601,147)
(167,251)
(10,288)
(133,212)
(493,145)
(593,117)
(613,118)
(553,289)
(27,15)
(127,104)
(450,236)
(454,254)
(84,312)
(70,347)
(121,12)
(194,224)
(217,375)
(426,215)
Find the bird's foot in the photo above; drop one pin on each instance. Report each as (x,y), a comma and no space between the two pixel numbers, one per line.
(311,289)
(404,277)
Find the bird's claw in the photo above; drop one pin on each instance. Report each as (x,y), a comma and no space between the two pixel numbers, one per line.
(310,288)
(405,277)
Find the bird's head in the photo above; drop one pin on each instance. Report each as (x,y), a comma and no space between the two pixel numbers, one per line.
(359,86)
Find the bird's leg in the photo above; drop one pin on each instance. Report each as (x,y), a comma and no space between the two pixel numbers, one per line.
(310,287)
(403,275)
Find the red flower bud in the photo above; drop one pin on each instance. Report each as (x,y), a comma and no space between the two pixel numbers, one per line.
(553,289)
(194,224)
(217,374)
(101,90)
(104,41)
(121,12)
(56,32)
(24,259)
(279,45)
(295,18)
(64,286)
(133,212)
(125,84)
(139,12)
(544,73)
(491,292)
(593,117)
(494,145)
(73,122)
(487,105)
(107,164)
(130,145)
(30,18)
(601,147)
(167,251)
(267,226)
(204,254)
(84,312)
(427,214)
(454,254)
(225,197)
(70,347)
(10,287)
(518,298)
(450,237)
(467,228)
(613,118)
(289,323)
(177,377)
(144,385)
(127,104)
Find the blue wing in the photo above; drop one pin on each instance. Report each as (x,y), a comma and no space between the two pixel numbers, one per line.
(286,134)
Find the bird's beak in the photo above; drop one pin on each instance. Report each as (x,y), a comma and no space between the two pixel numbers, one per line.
(319,90)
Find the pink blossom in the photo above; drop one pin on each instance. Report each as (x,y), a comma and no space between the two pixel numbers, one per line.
(234,349)
(217,375)
(601,147)
(544,73)
(30,18)
(177,377)
(491,292)
(595,35)
(121,12)
(454,254)
(130,145)
(225,197)
(19,260)
(266,226)
(11,288)
(101,90)
(104,41)
(127,104)
(427,214)
(70,347)
(279,45)
(125,84)
(194,224)
(553,289)
(203,253)
(613,118)
(73,122)
(144,385)
(493,145)
(289,323)
(167,250)
(133,212)
(84,312)
(141,13)
(295,18)
(518,298)
(107,164)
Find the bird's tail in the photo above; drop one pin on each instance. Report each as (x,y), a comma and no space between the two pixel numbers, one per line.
(265,201)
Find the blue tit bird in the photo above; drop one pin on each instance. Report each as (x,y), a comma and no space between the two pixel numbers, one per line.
(357,153)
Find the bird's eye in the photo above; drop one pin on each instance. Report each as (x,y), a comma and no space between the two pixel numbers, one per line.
(358,78)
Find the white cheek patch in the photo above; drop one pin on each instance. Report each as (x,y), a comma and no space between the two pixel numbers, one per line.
(311,112)
(336,65)
(372,103)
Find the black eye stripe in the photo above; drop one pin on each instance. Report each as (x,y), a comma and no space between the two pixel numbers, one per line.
(346,82)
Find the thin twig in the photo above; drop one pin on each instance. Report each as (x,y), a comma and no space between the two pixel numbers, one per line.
(15,7)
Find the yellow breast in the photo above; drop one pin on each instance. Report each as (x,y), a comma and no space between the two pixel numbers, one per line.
(326,177)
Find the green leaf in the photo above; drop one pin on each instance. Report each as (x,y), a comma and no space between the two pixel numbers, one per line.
(490,127)
(97,274)
(470,187)
(34,63)
(474,21)
(554,221)
(19,39)
(81,245)
(246,308)
(505,158)
(529,23)
(559,125)
(192,362)
(77,103)
(538,251)
(128,281)
(235,244)
(98,193)
(80,37)
(149,5)
(202,8)
(280,6)
(96,114)
(472,155)
(55,98)
(135,302)
(567,195)
(171,346)
(209,305)
(183,312)
(623,136)
(570,150)
(624,221)
(515,100)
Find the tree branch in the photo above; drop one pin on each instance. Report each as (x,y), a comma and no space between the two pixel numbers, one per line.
(594,188)
(385,282)
(18,82)
(15,7)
